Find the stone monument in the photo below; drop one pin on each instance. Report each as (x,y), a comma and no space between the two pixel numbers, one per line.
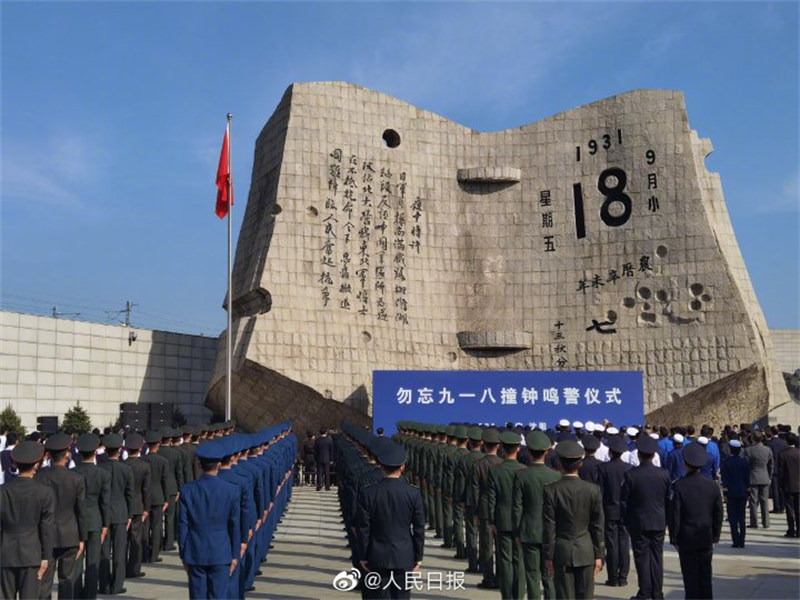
(381,236)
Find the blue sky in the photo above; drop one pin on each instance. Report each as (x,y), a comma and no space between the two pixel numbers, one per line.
(112,116)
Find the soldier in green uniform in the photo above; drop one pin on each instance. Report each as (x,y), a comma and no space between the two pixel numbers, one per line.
(459,490)
(467,468)
(501,497)
(426,456)
(527,515)
(480,487)
(435,475)
(448,478)
(573,543)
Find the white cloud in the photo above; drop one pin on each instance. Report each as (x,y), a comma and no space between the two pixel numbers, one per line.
(57,172)
(785,200)
(497,56)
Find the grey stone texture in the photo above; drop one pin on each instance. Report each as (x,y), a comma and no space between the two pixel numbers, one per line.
(381,236)
(48,364)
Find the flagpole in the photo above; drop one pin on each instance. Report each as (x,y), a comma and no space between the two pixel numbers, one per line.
(230,280)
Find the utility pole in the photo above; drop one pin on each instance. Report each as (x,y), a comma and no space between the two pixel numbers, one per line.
(128,308)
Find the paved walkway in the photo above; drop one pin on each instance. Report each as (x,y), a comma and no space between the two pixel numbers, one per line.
(310,551)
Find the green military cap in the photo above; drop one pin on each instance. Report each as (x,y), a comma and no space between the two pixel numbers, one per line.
(133,441)
(166,433)
(441,429)
(87,442)
(450,430)
(569,450)
(187,429)
(151,437)
(510,437)
(475,434)
(491,435)
(536,440)
(461,432)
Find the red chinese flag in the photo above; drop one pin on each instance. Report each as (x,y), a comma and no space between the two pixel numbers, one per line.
(223,177)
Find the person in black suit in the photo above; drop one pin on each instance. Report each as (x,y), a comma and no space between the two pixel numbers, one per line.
(736,485)
(644,501)
(113,557)
(789,477)
(618,545)
(309,466)
(97,511)
(160,478)
(323,448)
(69,490)
(390,524)
(140,503)
(590,469)
(695,523)
(777,445)
(174,483)
(27,526)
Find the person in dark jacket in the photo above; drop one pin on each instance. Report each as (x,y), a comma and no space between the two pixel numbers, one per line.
(113,557)
(69,490)
(160,480)
(675,465)
(589,470)
(789,477)
(736,486)
(175,481)
(390,525)
(97,511)
(761,466)
(618,546)
(695,524)
(777,445)
(27,525)
(309,465)
(142,475)
(323,451)
(644,501)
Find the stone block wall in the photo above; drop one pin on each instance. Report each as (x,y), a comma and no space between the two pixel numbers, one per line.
(47,364)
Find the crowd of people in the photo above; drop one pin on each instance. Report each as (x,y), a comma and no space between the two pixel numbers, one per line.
(541,513)
(93,508)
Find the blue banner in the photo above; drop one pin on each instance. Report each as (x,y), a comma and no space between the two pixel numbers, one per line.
(540,398)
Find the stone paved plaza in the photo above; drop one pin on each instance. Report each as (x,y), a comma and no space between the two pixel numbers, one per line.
(310,551)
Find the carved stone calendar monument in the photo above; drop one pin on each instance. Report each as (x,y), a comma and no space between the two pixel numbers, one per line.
(381,236)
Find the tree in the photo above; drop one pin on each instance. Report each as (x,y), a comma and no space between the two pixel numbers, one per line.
(76,420)
(10,420)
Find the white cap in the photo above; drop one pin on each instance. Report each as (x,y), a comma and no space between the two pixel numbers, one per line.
(702,440)
(599,427)
(612,431)
(632,431)
(677,438)
(589,427)
(563,423)
(654,436)
(577,425)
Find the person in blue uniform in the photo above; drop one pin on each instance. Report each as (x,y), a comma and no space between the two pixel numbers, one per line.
(618,544)
(675,465)
(209,529)
(390,525)
(736,485)
(695,523)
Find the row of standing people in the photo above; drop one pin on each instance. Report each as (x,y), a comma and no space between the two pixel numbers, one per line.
(109,515)
(526,533)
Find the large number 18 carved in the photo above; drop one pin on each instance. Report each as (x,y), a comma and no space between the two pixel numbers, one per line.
(614,193)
